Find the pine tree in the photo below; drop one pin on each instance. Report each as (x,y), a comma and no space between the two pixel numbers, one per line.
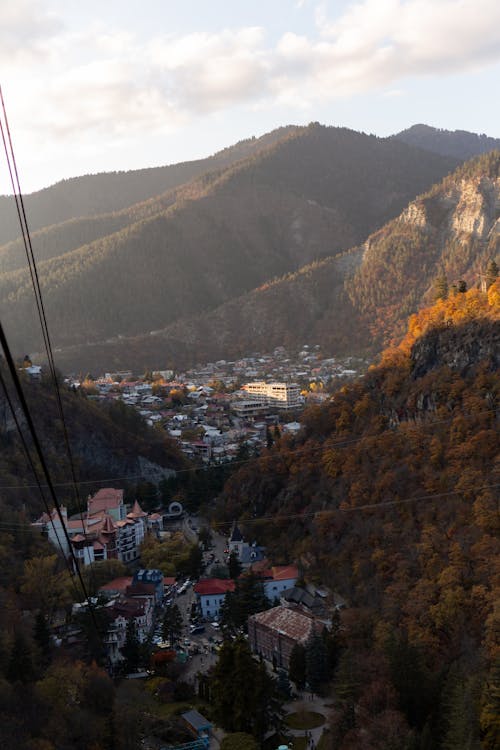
(441,287)
(131,649)
(316,662)
(297,666)
(234,566)
(491,273)
(172,624)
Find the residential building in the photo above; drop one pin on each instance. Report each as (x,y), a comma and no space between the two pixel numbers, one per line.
(211,593)
(106,531)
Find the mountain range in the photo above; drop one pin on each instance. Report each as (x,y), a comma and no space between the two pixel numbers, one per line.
(308,233)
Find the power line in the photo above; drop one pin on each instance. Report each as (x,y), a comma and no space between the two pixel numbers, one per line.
(25,232)
(353,509)
(229,464)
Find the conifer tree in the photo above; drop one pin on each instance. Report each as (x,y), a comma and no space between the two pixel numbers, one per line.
(316,662)
(297,666)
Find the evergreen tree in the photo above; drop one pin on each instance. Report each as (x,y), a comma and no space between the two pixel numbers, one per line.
(491,273)
(297,666)
(441,287)
(490,709)
(283,685)
(21,664)
(460,709)
(131,650)
(462,286)
(316,662)
(243,695)
(41,635)
(247,599)
(234,565)
(172,623)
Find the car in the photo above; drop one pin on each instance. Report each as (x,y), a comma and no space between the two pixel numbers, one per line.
(215,625)
(196,629)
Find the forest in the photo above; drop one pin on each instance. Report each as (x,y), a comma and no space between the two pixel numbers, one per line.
(390,497)
(214,237)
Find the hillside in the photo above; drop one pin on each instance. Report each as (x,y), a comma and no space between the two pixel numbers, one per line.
(355,302)
(460,144)
(108,192)
(315,193)
(106,442)
(389,496)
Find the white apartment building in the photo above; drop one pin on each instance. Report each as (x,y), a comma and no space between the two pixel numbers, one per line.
(279,395)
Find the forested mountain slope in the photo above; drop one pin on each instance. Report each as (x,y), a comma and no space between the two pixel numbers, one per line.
(355,302)
(390,497)
(315,193)
(95,194)
(458,143)
(106,442)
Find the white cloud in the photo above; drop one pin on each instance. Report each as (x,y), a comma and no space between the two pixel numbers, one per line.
(115,83)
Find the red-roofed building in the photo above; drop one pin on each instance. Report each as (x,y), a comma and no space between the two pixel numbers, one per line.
(105,532)
(211,592)
(279,578)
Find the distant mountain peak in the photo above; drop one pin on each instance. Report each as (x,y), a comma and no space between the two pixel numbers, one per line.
(461,144)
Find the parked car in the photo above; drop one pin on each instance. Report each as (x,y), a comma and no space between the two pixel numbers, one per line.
(215,625)
(195,629)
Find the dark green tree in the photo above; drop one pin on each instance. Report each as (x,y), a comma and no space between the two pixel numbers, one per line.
(22,663)
(247,599)
(243,695)
(283,685)
(41,635)
(460,715)
(205,537)
(297,666)
(172,623)
(491,273)
(234,565)
(316,662)
(131,650)
(441,287)
(462,286)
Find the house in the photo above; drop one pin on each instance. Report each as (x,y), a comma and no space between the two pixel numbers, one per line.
(278,579)
(211,593)
(153,578)
(273,634)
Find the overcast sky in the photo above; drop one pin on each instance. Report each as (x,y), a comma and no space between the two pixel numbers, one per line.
(106,85)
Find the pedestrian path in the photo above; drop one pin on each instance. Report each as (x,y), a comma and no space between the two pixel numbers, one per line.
(308,702)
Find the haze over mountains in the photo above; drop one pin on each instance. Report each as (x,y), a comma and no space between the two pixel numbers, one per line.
(264,243)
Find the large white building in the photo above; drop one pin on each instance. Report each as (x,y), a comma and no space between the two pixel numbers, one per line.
(280,395)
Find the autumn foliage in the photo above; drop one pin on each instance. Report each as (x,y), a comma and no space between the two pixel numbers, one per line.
(390,496)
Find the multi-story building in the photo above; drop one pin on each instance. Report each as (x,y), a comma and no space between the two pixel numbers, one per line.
(284,396)
(273,634)
(106,531)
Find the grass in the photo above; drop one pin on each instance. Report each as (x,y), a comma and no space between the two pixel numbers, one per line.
(304,720)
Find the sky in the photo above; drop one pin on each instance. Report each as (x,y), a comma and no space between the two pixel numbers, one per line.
(106,85)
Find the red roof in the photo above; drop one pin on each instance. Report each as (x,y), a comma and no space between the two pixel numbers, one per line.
(210,586)
(284,572)
(105,498)
(117,584)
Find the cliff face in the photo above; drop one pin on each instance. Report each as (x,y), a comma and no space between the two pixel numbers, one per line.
(459,347)
(453,229)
